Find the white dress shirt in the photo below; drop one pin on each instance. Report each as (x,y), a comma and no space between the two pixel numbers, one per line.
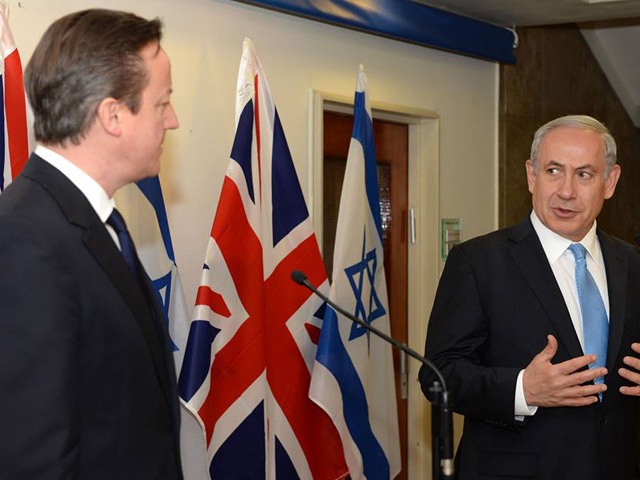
(95,194)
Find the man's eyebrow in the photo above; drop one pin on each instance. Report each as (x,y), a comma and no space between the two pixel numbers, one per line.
(553,163)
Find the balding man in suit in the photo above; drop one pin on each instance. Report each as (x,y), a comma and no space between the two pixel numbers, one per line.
(535,326)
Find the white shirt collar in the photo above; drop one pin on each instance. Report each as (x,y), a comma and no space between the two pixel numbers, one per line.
(95,194)
(555,245)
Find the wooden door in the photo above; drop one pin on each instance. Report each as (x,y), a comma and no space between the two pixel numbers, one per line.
(391,140)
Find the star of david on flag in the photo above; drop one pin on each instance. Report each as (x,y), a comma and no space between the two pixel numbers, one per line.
(353,373)
(247,365)
(362,277)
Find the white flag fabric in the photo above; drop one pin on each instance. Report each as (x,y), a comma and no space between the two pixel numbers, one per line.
(142,205)
(352,376)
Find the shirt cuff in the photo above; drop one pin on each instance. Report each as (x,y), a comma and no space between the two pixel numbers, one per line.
(521,409)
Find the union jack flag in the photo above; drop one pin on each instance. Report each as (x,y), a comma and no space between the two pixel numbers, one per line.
(14,138)
(251,344)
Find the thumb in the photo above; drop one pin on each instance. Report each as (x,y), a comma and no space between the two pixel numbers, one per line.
(550,349)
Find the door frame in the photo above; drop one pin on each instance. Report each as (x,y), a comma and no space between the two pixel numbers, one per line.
(423,258)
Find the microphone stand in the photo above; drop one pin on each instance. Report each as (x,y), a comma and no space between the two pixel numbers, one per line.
(441,411)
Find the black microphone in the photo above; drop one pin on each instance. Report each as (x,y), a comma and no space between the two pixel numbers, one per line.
(446,434)
(301,279)
(444,420)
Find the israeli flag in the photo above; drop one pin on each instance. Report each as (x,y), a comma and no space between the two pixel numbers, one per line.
(353,378)
(142,205)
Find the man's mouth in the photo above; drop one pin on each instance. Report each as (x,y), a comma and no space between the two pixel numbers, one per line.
(564,212)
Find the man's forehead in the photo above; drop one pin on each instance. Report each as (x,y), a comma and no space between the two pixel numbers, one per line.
(151,50)
(572,139)
(569,134)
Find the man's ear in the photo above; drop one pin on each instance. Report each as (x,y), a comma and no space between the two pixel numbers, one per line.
(611,181)
(531,175)
(109,115)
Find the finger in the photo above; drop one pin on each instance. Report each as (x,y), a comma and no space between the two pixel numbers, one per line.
(630,375)
(583,390)
(568,401)
(632,362)
(574,364)
(635,347)
(577,401)
(581,396)
(584,401)
(631,391)
(570,395)
(589,390)
(586,376)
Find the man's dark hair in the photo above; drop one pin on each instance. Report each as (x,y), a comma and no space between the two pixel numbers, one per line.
(82,59)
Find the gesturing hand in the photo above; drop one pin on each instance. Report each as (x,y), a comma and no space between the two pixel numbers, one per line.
(561,385)
(631,375)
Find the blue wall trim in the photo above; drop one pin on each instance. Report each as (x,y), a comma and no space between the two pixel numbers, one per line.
(407,21)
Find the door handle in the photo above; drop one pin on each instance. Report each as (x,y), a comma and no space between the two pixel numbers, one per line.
(404,375)
(412,226)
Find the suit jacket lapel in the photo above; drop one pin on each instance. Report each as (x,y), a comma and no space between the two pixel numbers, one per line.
(99,243)
(616,267)
(530,258)
(103,249)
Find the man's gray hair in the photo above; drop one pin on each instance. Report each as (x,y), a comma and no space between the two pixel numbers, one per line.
(577,121)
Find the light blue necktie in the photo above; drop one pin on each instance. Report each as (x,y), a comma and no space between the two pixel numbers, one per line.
(595,325)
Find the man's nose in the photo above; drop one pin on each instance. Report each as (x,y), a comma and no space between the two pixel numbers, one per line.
(568,187)
(171,122)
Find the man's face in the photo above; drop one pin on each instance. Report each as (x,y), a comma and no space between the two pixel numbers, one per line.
(569,186)
(146,128)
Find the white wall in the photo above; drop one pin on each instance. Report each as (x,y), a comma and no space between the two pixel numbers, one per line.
(204,40)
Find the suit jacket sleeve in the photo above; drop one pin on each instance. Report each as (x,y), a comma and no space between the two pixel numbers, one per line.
(459,342)
(38,359)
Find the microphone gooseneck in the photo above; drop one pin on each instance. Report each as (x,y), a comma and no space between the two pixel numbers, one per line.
(301,279)
(442,402)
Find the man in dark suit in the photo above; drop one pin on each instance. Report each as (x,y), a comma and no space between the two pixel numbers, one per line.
(512,337)
(87,382)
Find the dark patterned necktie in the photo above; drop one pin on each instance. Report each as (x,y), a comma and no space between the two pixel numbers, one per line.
(126,243)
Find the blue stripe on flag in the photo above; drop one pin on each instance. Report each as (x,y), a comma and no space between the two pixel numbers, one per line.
(242,455)
(242,145)
(334,356)
(151,189)
(3,144)
(363,133)
(164,283)
(197,358)
(284,466)
(289,207)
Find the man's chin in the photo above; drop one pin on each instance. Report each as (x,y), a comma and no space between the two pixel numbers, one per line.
(154,171)
(567,231)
